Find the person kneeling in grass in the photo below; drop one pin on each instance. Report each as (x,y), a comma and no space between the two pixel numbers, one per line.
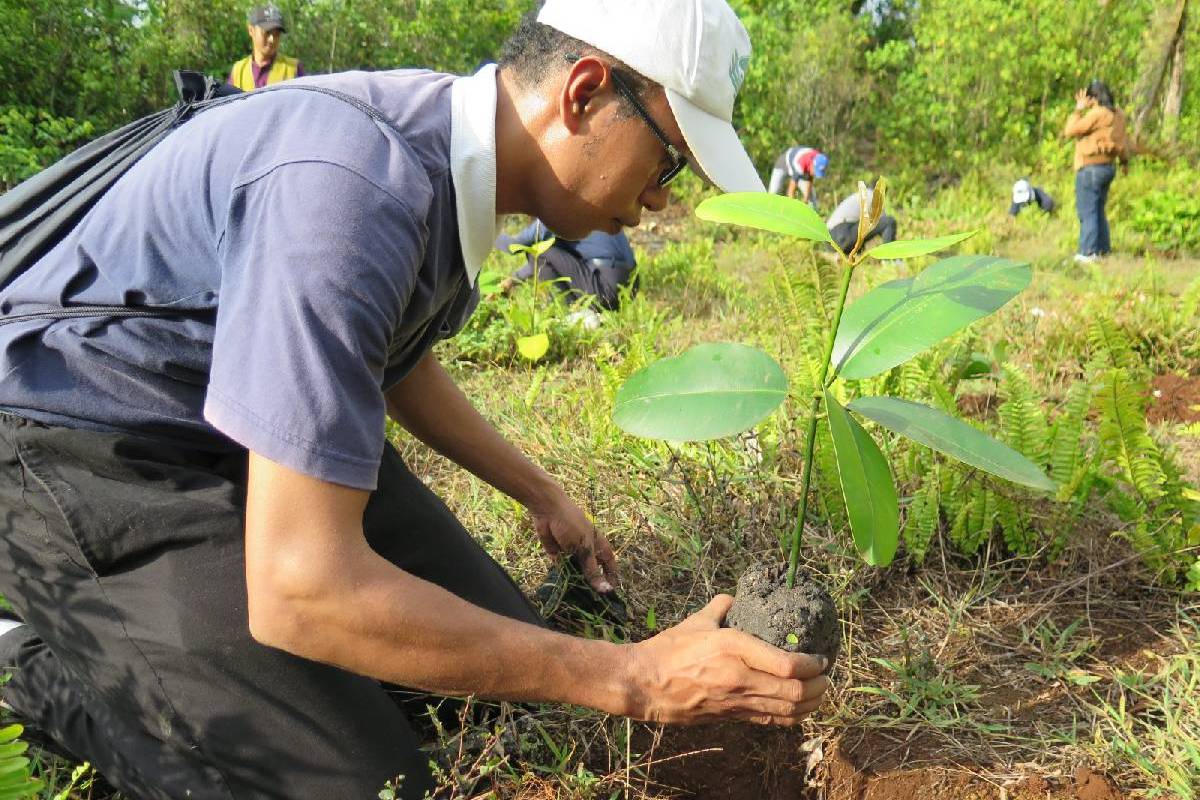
(221,562)
(594,268)
(843,222)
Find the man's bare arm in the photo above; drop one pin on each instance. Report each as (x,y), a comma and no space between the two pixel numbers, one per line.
(431,406)
(317,590)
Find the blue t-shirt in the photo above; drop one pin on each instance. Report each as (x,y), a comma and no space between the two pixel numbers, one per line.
(317,247)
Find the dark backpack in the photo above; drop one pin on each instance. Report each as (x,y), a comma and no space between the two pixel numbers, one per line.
(38,213)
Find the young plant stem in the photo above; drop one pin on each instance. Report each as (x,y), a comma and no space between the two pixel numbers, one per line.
(810,436)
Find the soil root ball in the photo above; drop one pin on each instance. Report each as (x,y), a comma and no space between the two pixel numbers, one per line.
(802,619)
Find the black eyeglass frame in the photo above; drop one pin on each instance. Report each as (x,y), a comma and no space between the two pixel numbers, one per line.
(679,161)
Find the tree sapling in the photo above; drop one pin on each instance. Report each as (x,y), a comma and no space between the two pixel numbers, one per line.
(716,390)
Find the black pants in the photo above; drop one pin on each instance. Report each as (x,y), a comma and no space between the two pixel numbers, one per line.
(600,279)
(846,233)
(126,557)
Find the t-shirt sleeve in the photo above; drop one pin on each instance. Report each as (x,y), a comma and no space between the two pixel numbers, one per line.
(318,264)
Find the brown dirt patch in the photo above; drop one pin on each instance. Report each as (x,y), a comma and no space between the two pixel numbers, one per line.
(844,781)
(978,406)
(726,762)
(1174,399)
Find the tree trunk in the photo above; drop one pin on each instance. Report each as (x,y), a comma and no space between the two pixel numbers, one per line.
(1174,100)
(1150,82)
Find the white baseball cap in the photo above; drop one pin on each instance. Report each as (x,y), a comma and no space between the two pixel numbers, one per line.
(1022,191)
(697,50)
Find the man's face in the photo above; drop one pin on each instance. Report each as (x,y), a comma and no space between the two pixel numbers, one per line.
(266,42)
(608,168)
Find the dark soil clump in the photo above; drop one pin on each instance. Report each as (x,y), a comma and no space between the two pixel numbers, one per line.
(802,619)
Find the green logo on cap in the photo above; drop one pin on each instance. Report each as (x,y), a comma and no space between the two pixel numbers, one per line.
(737,70)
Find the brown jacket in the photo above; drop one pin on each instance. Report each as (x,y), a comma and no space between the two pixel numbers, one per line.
(1099,135)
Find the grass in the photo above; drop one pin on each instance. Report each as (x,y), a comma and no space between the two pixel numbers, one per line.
(993,664)
(1148,720)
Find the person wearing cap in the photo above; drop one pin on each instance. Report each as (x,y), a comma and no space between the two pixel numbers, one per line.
(223,565)
(265,64)
(594,268)
(1025,194)
(799,166)
(843,222)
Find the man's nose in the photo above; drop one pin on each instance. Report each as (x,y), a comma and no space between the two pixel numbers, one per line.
(655,197)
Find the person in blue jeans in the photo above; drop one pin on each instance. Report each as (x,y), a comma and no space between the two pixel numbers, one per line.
(1098,128)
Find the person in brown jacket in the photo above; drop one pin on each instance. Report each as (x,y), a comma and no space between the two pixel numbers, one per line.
(1098,128)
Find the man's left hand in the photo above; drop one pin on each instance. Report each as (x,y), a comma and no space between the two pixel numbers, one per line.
(563,528)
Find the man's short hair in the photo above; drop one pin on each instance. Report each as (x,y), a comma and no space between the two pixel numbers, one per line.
(536,53)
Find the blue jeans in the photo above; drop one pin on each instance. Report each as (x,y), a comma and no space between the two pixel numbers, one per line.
(1091,194)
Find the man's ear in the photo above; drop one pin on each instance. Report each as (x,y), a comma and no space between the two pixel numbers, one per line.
(587,79)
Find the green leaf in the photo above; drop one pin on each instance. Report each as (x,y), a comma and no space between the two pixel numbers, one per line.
(533,347)
(768,212)
(710,391)
(540,248)
(895,321)
(954,438)
(867,486)
(535,249)
(911,248)
(489,282)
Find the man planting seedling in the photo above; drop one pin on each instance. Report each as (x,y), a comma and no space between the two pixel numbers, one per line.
(716,390)
(219,558)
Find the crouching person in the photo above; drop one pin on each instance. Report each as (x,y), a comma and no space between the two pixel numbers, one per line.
(594,268)
(220,561)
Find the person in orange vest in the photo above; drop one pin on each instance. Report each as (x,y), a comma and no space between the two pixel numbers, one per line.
(266,64)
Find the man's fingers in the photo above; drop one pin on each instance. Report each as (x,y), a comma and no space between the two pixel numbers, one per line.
(712,615)
(607,559)
(763,657)
(593,572)
(549,543)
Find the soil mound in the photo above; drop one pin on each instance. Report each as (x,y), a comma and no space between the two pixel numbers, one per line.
(802,619)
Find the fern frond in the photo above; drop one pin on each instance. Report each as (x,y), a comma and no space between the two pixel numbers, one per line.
(1066,441)
(974,521)
(921,520)
(912,380)
(829,487)
(958,528)
(1109,343)
(1022,419)
(1124,439)
(825,280)
(1019,537)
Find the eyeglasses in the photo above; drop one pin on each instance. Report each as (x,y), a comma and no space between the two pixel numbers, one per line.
(679,161)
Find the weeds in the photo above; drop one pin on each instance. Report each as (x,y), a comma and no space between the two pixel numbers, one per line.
(1149,721)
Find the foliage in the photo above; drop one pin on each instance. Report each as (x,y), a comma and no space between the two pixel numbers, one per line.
(493,333)
(940,85)
(30,139)
(1171,220)
(888,326)
(1150,720)
(15,782)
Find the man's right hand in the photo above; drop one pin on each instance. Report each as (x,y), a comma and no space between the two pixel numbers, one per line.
(699,672)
